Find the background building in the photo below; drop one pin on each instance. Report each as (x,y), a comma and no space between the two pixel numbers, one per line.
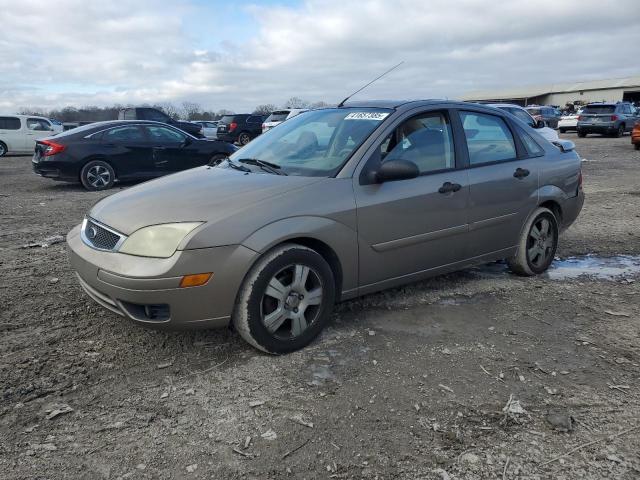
(612,90)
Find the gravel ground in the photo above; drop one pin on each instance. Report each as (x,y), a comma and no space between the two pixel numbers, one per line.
(411,383)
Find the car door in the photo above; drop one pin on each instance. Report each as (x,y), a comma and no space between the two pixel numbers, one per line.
(36,128)
(503,182)
(173,150)
(128,151)
(410,226)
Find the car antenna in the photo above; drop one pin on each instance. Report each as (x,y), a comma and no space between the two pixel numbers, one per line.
(375,79)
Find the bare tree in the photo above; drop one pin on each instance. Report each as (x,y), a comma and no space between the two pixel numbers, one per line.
(265,109)
(170,109)
(296,102)
(190,110)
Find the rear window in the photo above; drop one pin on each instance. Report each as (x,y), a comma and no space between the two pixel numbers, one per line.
(533,111)
(277,117)
(129,114)
(9,123)
(227,119)
(595,109)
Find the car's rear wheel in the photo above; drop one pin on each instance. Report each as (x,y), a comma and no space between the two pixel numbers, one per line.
(97,175)
(582,133)
(636,146)
(620,131)
(563,130)
(244,138)
(286,299)
(538,244)
(217,158)
(3,149)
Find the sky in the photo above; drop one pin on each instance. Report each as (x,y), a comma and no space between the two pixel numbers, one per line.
(239,54)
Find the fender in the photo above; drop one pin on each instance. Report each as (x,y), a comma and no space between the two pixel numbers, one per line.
(342,239)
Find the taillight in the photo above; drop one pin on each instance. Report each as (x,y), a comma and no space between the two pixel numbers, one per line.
(580,118)
(232,126)
(614,118)
(52,148)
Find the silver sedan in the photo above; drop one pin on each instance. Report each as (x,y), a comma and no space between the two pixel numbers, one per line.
(332,204)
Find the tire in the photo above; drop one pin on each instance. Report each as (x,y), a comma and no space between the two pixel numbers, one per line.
(3,149)
(534,255)
(563,130)
(244,138)
(217,158)
(270,292)
(620,131)
(97,175)
(582,134)
(636,146)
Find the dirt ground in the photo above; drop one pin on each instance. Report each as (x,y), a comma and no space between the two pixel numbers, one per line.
(411,383)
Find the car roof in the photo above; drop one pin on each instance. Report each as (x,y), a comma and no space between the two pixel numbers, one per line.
(22,116)
(502,105)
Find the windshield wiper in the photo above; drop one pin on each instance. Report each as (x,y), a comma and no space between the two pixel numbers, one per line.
(235,166)
(266,166)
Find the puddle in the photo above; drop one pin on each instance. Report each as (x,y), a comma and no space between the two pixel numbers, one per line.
(602,268)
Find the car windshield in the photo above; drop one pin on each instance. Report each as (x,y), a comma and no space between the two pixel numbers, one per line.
(595,109)
(315,143)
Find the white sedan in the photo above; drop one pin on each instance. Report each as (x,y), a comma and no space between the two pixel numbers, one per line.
(209,128)
(569,121)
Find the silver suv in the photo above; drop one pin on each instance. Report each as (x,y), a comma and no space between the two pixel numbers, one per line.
(607,119)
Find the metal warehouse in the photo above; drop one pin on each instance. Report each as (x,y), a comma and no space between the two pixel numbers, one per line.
(611,90)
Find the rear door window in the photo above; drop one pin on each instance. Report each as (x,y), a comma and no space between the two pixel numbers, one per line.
(9,123)
(126,134)
(488,138)
(530,144)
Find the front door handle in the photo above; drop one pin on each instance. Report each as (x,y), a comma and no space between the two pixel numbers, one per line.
(521,173)
(448,187)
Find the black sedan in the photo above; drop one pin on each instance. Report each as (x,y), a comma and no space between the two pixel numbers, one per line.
(99,154)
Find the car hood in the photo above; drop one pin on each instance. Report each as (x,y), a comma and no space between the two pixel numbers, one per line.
(207,194)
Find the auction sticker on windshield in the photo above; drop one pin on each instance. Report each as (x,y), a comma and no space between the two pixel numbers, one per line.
(377,116)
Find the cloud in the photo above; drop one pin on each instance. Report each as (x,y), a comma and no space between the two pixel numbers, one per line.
(134,51)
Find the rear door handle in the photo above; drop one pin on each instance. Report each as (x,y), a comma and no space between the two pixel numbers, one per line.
(521,173)
(448,187)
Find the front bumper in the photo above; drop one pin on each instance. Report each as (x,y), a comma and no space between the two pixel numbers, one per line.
(147,290)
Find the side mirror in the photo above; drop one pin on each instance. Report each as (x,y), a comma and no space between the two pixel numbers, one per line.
(396,170)
(540,124)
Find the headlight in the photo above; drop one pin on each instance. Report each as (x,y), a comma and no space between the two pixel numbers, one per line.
(157,240)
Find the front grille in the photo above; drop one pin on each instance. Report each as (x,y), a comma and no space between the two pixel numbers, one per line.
(97,236)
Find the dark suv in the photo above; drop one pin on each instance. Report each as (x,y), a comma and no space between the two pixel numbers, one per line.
(606,118)
(155,115)
(240,128)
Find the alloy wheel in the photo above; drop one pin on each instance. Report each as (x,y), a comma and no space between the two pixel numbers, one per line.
(541,242)
(292,301)
(244,139)
(98,176)
(2,150)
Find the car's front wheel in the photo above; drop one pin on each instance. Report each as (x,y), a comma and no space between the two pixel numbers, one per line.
(538,244)
(582,133)
(97,175)
(217,159)
(563,130)
(286,299)
(3,149)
